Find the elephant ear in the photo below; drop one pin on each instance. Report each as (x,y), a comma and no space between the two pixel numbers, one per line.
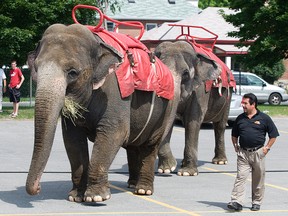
(205,70)
(31,62)
(213,69)
(106,62)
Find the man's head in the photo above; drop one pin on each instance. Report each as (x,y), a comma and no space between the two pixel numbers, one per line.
(249,102)
(13,64)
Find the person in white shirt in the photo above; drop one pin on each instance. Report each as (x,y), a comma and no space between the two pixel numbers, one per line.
(2,86)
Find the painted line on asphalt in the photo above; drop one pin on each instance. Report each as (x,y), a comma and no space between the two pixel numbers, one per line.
(139,213)
(286,132)
(234,175)
(179,210)
(91,213)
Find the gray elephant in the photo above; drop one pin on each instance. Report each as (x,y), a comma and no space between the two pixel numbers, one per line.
(75,80)
(197,105)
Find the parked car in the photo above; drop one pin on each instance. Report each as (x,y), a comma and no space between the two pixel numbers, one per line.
(235,109)
(265,92)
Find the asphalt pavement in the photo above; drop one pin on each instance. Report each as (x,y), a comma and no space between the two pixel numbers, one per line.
(204,195)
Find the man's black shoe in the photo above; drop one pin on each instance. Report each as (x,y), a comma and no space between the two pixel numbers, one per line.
(234,206)
(255,207)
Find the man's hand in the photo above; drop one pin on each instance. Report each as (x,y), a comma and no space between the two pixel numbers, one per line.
(236,147)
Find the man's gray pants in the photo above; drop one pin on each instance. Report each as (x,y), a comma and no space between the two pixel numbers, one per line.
(246,162)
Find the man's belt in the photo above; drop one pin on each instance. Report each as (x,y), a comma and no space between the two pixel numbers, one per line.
(251,149)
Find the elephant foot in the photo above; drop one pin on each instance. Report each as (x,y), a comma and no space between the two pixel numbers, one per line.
(219,161)
(187,172)
(188,168)
(76,195)
(167,165)
(140,189)
(143,190)
(97,194)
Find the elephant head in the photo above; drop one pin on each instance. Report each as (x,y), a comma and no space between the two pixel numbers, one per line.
(68,63)
(192,68)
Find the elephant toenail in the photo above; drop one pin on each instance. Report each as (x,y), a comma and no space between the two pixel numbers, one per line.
(167,171)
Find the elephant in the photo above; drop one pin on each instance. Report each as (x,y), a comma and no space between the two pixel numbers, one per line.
(196,106)
(75,75)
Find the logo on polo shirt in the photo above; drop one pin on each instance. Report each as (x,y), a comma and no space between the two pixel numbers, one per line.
(257,122)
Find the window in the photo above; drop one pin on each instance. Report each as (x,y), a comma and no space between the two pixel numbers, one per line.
(150,26)
(254,81)
(131,1)
(244,80)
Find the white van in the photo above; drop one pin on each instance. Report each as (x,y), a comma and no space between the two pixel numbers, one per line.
(265,92)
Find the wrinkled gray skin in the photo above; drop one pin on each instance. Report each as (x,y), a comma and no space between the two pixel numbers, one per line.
(195,107)
(68,64)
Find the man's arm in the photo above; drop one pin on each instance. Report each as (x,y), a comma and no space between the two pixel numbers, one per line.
(235,143)
(21,81)
(269,144)
(4,85)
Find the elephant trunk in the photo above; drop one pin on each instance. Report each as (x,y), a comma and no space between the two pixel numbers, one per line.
(49,101)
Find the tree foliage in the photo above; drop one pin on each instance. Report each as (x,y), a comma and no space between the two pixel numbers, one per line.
(270,74)
(213,3)
(265,22)
(24,21)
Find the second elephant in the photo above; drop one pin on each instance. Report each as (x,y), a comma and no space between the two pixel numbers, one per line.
(197,104)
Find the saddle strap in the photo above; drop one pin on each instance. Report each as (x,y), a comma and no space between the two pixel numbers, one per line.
(149,117)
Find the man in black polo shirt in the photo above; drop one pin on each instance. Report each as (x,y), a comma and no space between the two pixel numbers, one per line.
(251,128)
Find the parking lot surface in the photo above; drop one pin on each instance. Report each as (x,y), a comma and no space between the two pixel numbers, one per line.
(204,195)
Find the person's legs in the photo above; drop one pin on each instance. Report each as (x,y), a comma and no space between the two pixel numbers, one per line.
(243,170)
(258,177)
(1,98)
(15,108)
(16,99)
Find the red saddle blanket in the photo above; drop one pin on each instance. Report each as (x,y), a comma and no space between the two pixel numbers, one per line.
(226,78)
(137,71)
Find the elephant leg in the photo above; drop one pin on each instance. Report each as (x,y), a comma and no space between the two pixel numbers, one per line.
(105,148)
(220,155)
(134,164)
(76,146)
(190,161)
(193,119)
(167,162)
(148,154)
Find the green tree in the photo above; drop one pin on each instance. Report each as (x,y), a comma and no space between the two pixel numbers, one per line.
(265,22)
(270,74)
(24,21)
(213,3)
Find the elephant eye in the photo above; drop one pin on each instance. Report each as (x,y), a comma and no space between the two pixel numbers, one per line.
(186,75)
(73,74)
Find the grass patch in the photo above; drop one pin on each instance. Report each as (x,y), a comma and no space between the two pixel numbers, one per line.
(28,112)
(24,113)
(281,111)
